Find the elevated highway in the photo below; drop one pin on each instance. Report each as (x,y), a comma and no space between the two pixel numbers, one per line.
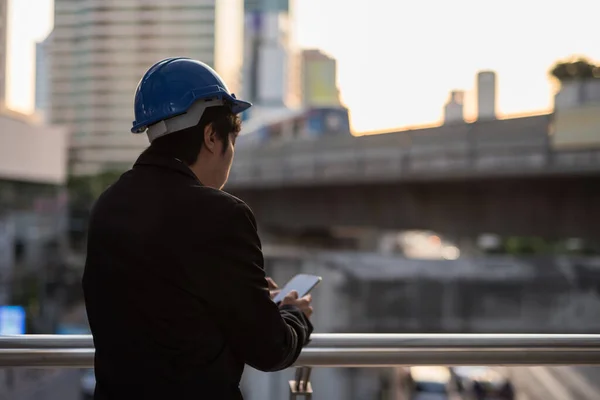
(501,176)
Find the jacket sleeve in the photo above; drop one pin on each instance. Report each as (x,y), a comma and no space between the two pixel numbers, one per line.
(258,332)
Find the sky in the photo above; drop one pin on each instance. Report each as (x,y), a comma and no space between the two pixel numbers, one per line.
(398,60)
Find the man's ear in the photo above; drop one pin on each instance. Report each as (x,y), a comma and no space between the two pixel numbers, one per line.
(210,138)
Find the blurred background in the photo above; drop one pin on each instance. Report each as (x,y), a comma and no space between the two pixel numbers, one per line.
(437,162)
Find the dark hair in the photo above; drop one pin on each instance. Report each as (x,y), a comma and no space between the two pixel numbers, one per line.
(185,144)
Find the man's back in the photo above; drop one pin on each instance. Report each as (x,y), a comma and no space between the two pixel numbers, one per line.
(171,267)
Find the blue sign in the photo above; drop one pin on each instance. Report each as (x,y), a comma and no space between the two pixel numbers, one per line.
(12,320)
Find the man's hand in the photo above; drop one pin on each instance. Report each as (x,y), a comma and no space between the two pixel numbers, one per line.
(303,303)
(273,288)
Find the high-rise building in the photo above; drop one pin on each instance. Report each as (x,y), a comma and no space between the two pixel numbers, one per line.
(42,80)
(319,79)
(99,51)
(271,76)
(454,108)
(3,48)
(486,95)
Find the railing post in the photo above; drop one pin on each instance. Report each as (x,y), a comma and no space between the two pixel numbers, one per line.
(300,387)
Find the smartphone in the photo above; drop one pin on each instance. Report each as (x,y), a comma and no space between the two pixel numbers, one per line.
(301,283)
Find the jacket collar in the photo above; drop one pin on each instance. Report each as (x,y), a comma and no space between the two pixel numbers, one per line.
(166,162)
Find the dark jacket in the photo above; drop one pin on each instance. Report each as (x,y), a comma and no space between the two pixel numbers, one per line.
(175,290)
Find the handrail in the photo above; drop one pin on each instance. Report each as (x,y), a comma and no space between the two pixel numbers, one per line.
(524,342)
(351,350)
(338,357)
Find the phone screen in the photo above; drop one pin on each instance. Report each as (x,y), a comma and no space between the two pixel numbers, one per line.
(301,283)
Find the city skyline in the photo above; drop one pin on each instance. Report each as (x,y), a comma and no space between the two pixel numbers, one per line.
(396,57)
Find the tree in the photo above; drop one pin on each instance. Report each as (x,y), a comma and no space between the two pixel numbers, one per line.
(575,69)
(85,189)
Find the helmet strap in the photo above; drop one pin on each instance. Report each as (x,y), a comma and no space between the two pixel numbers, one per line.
(190,118)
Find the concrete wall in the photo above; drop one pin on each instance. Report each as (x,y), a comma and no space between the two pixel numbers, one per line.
(386,293)
(364,292)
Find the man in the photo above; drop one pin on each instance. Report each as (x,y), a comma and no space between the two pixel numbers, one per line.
(174,284)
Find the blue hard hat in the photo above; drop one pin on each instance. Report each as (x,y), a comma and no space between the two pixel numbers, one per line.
(171,86)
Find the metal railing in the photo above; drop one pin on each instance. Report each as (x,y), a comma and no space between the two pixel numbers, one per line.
(351,350)
(348,350)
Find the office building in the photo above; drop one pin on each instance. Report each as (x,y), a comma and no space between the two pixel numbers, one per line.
(3,49)
(99,51)
(486,95)
(42,80)
(454,108)
(271,77)
(319,79)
